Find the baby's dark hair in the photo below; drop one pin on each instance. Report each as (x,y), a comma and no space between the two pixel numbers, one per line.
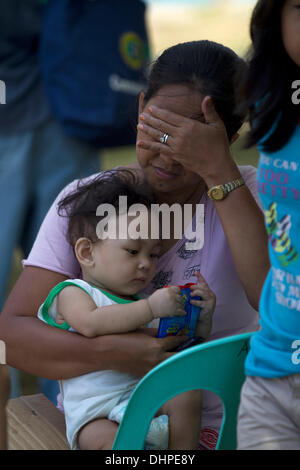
(211,68)
(81,205)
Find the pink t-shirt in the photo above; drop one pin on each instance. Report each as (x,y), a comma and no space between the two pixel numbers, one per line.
(233,313)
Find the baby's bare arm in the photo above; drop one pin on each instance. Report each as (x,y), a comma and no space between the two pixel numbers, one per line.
(54,353)
(79,310)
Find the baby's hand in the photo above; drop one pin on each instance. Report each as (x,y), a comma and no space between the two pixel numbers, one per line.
(207,305)
(167,302)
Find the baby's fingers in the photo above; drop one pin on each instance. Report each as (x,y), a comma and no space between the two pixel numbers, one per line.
(200,279)
(179,311)
(204,293)
(175,311)
(177,297)
(179,306)
(207,304)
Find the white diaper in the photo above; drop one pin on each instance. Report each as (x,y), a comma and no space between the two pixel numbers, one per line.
(158,433)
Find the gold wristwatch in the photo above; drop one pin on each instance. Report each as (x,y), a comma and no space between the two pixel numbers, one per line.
(217,193)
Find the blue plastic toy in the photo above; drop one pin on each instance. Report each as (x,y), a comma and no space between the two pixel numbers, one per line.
(185,325)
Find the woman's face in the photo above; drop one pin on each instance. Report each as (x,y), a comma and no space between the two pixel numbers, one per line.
(290,27)
(164,174)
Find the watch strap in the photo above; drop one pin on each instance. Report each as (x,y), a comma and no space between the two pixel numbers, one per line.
(220,191)
(227,187)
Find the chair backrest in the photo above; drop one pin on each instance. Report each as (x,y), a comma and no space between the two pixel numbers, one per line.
(217,366)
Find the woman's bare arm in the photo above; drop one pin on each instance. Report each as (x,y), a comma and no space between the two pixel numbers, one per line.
(48,352)
(243,225)
(241,218)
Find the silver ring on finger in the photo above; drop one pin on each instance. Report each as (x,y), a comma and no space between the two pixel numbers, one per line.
(164,139)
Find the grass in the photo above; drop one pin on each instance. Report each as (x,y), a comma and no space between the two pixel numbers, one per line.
(227,22)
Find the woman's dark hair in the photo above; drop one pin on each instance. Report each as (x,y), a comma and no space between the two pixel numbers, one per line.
(81,205)
(210,68)
(268,85)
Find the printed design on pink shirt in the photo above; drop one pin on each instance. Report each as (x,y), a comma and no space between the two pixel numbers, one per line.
(190,272)
(278,232)
(183,253)
(161,279)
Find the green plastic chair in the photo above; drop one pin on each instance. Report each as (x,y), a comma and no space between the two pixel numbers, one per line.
(217,366)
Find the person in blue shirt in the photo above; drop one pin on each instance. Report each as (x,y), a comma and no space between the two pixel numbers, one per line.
(37,158)
(38,154)
(269,413)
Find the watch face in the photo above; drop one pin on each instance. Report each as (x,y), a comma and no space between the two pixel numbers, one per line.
(217,193)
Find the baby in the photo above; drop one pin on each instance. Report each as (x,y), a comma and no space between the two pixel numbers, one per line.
(116,264)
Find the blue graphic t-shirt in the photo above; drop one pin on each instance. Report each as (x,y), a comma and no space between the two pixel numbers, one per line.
(275,349)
